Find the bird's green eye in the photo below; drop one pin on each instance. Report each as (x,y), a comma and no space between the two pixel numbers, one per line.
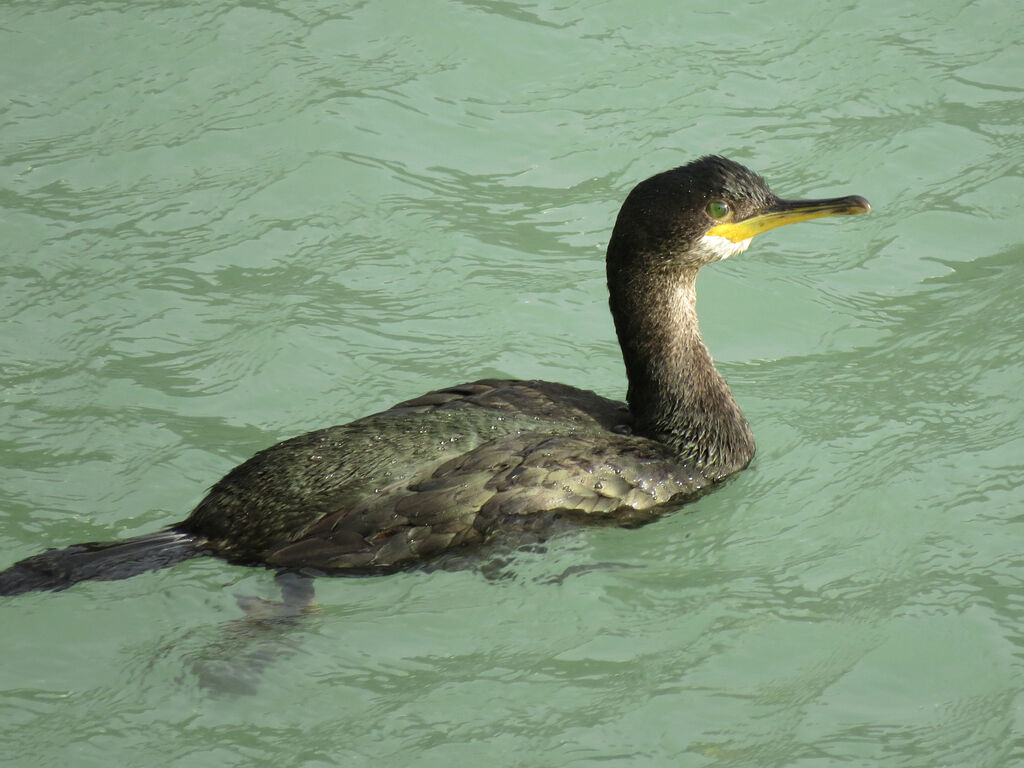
(719,209)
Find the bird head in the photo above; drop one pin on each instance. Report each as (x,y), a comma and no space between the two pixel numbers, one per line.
(706,211)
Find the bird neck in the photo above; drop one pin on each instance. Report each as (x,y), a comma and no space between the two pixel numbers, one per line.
(676,395)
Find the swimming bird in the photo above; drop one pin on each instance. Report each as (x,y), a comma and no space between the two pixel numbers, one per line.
(465,465)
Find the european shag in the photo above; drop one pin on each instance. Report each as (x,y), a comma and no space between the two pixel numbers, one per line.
(465,465)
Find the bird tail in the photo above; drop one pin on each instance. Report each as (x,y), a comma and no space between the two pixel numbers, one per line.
(57,569)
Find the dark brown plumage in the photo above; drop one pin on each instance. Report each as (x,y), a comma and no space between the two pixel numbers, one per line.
(461,466)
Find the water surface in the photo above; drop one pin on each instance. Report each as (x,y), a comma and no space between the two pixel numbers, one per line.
(227,224)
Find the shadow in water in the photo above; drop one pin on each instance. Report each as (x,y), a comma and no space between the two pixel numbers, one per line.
(234,663)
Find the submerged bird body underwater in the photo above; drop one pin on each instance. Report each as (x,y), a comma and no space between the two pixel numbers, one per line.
(465,465)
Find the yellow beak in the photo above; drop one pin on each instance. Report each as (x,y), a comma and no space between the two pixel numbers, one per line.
(784,212)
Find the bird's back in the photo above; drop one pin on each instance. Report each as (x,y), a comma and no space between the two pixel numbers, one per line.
(448,469)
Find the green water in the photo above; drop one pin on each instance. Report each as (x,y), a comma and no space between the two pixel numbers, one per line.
(224,224)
